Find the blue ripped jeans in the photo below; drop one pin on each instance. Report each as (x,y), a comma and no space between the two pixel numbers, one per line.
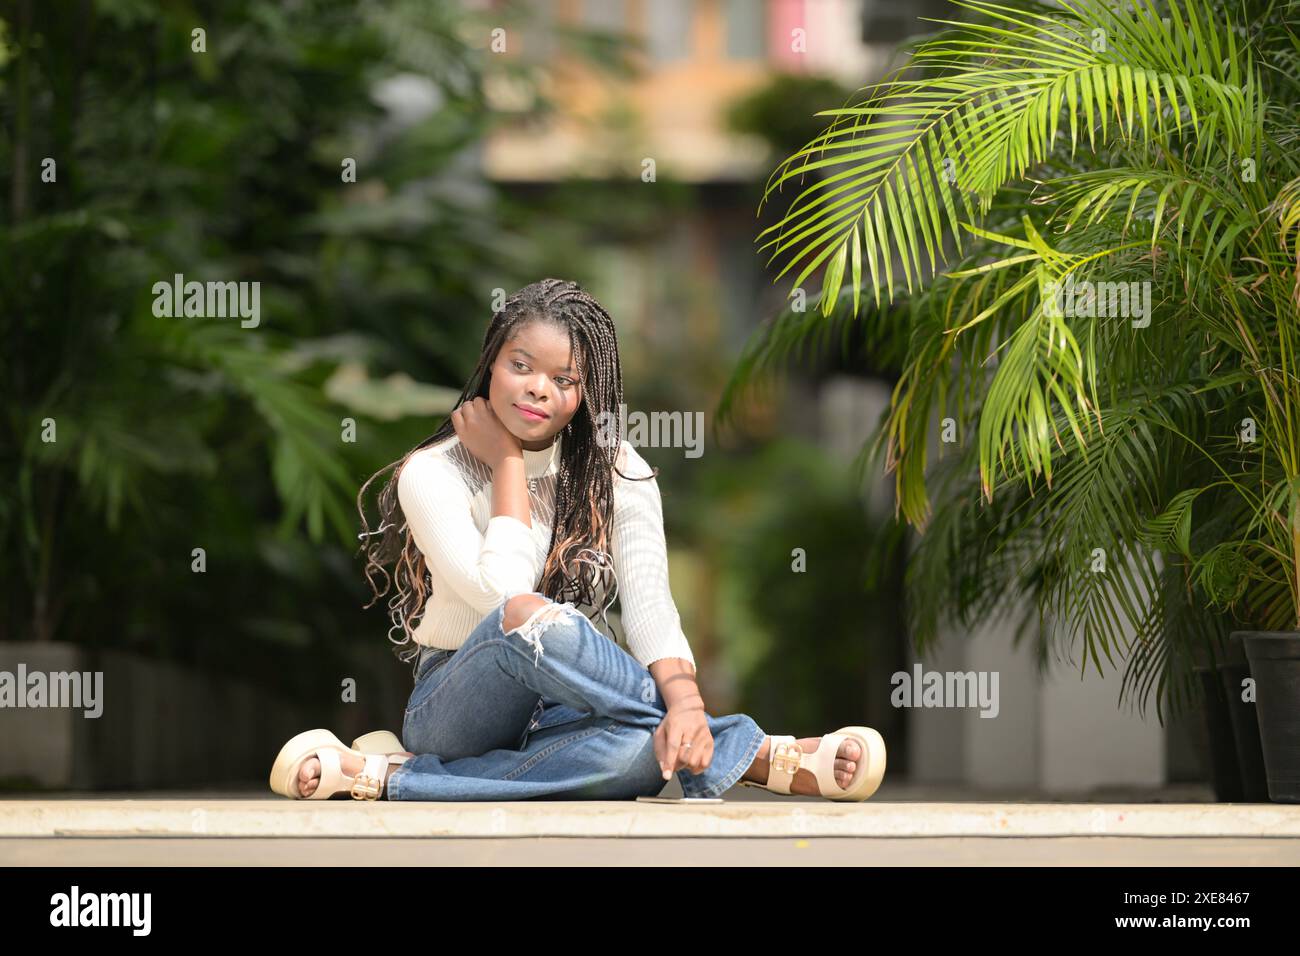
(552,709)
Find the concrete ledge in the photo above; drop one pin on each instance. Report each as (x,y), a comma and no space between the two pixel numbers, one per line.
(218,817)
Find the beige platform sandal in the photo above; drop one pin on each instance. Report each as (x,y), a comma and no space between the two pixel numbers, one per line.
(786,757)
(367,784)
(378,742)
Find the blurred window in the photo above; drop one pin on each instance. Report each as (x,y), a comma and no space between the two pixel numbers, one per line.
(539,40)
(746,29)
(670,29)
(607,15)
(889,21)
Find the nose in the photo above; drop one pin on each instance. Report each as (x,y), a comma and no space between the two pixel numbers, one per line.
(537,387)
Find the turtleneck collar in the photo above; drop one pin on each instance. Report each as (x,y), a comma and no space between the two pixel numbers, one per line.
(543,462)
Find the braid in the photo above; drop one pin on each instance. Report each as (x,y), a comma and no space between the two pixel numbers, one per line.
(578,561)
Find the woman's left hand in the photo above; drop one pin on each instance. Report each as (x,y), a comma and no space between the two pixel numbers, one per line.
(684,724)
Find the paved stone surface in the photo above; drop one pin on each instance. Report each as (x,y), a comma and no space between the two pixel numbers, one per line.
(245,818)
(902,825)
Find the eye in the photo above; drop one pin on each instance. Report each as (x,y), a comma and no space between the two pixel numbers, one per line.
(564,379)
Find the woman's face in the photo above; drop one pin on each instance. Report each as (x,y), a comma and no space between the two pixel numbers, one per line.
(536,369)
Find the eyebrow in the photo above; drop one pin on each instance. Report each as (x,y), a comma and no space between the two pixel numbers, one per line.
(522,352)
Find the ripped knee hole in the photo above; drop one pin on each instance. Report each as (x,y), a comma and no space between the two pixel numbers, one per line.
(544,614)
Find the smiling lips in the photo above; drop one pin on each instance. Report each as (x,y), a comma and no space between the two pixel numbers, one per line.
(532,416)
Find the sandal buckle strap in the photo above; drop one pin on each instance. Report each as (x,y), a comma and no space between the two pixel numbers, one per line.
(785,757)
(368,784)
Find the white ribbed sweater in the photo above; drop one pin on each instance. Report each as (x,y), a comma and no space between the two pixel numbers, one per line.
(476,561)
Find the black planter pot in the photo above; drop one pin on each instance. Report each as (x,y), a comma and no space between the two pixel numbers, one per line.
(1236,758)
(1275,664)
(1224,769)
(1244,720)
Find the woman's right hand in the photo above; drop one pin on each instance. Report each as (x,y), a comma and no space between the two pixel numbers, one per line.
(482,433)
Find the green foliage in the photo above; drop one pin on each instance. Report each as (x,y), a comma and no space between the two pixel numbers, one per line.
(183,433)
(826,617)
(1034,147)
(781,111)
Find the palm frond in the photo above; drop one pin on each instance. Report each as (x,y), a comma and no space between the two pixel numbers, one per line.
(916,149)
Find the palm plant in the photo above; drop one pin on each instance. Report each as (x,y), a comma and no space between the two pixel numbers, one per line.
(1137,477)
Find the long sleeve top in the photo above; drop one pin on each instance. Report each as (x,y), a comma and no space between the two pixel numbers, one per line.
(477,561)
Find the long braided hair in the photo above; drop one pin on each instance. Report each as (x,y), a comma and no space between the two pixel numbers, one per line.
(578,558)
